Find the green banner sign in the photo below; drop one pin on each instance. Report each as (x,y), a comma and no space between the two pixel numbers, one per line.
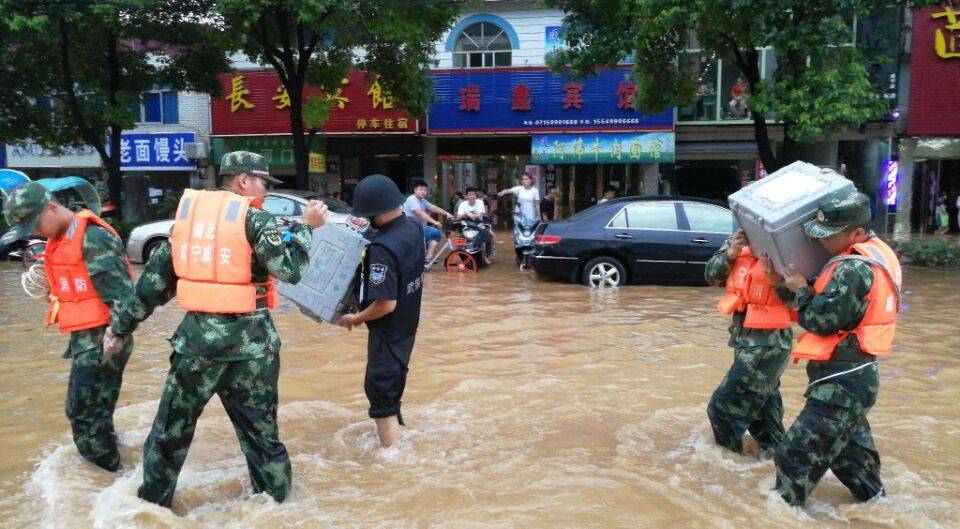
(278,150)
(609,147)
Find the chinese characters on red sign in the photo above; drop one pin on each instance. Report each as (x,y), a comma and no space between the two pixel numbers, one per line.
(256,102)
(945,41)
(521,97)
(574,97)
(935,73)
(470,98)
(625,92)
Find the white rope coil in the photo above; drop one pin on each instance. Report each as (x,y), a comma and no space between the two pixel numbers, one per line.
(34,282)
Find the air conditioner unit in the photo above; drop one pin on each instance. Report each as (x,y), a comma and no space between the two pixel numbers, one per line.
(197,150)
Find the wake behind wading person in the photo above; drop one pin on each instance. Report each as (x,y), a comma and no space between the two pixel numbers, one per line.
(748,398)
(390,294)
(849,316)
(220,262)
(86,271)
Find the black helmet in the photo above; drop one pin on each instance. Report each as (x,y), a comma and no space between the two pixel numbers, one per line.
(375,195)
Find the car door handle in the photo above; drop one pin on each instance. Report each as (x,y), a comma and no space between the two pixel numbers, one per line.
(623,236)
(699,240)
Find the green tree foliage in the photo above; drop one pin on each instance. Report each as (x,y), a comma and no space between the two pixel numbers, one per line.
(820,85)
(316,42)
(71,71)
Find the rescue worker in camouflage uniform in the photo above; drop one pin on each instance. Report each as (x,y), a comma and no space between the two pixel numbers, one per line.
(748,398)
(849,315)
(221,272)
(86,266)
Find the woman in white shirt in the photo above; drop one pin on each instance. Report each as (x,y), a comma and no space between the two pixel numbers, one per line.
(528,199)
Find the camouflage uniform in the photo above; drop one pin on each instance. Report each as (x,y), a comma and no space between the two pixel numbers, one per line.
(235,356)
(832,429)
(95,380)
(748,397)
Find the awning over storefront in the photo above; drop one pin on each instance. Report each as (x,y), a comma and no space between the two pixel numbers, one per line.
(937,148)
(716,150)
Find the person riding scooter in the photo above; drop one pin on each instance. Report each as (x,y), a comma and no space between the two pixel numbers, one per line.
(473,213)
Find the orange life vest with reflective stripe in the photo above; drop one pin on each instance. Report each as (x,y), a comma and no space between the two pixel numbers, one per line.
(211,255)
(75,304)
(748,290)
(876,330)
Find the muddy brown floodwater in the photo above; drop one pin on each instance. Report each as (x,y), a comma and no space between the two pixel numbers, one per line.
(530,404)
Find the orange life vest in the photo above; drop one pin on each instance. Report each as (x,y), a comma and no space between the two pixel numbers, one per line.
(876,330)
(211,255)
(75,304)
(748,290)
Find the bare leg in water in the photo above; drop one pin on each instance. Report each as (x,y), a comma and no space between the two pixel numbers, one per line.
(388,428)
(431,248)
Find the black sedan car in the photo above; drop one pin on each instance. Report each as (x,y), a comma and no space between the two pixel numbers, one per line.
(662,239)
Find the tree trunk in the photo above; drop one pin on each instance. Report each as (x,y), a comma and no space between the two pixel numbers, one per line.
(112,163)
(788,150)
(749,64)
(301,148)
(114,176)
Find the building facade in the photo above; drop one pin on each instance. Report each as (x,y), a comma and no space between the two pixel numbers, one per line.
(165,153)
(482,68)
(930,145)
(365,133)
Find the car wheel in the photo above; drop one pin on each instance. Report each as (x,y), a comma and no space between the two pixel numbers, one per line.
(150,247)
(604,272)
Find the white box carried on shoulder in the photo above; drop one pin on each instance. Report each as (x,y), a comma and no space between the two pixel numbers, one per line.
(773,210)
(328,288)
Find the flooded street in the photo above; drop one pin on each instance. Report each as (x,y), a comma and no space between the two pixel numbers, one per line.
(530,404)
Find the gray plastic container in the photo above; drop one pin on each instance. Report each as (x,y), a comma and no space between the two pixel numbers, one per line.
(773,210)
(328,287)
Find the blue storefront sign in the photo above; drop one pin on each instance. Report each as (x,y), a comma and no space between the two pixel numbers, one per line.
(614,147)
(156,152)
(536,100)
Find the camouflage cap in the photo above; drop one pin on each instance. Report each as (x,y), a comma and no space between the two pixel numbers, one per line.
(21,209)
(838,212)
(251,163)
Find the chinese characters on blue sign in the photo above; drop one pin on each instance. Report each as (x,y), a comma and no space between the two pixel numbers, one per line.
(535,100)
(167,151)
(643,147)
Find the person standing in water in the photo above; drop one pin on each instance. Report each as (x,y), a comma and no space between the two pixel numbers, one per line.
(390,292)
(220,262)
(748,398)
(87,270)
(849,317)
(528,199)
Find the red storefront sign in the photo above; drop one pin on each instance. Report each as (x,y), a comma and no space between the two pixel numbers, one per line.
(935,73)
(254,102)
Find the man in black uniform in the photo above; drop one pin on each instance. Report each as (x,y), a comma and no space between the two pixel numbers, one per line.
(390,291)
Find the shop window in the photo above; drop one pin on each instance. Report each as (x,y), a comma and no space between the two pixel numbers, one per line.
(482,45)
(734,91)
(652,216)
(707,218)
(705,108)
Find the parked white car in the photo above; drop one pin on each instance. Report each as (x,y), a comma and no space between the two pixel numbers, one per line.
(282,203)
